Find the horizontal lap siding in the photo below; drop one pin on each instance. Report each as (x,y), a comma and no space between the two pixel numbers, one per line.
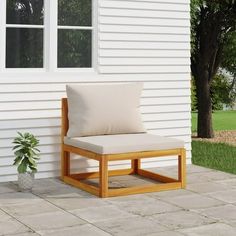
(138,40)
(153,38)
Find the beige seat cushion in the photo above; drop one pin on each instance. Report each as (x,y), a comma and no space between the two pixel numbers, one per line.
(123,143)
(97,109)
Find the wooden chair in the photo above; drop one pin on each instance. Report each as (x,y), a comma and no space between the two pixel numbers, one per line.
(167,183)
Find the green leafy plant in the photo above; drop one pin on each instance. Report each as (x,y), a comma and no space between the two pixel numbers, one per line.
(26,152)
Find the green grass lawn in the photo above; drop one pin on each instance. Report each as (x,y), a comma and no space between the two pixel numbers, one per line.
(217,156)
(222,120)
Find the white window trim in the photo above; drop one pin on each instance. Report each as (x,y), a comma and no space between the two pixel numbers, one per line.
(50,40)
(3,35)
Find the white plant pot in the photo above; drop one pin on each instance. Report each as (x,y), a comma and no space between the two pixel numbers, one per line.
(25,181)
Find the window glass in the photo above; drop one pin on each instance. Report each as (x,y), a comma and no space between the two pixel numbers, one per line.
(25,33)
(24,48)
(25,12)
(74,48)
(75,12)
(75,38)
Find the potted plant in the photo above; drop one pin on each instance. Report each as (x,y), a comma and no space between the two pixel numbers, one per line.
(26,157)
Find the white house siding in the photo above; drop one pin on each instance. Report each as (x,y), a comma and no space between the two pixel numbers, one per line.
(138,40)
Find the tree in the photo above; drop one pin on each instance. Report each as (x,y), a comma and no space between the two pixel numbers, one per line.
(229,61)
(212,22)
(222,92)
(229,54)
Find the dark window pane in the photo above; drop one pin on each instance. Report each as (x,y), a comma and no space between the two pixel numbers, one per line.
(24,48)
(25,12)
(74,12)
(74,48)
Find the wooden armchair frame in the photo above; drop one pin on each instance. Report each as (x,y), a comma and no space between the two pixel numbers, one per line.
(167,183)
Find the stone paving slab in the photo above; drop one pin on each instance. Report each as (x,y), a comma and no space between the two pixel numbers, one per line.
(167,233)
(8,188)
(27,234)
(197,169)
(199,177)
(225,213)
(218,175)
(230,183)
(228,196)
(81,230)
(50,220)
(207,208)
(132,226)
(194,201)
(206,187)
(28,208)
(102,213)
(166,194)
(181,219)
(18,198)
(142,205)
(76,201)
(61,192)
(4,216)
(9,225)
(217,229)
(12,226)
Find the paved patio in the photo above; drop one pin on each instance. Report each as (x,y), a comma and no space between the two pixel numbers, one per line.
(207,208)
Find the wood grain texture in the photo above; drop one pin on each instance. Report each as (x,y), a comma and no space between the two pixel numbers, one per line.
(155,176)
(143,154)
(94,175)
(135,165)
(144,189)
(182,167)
(103,177)
(86,187)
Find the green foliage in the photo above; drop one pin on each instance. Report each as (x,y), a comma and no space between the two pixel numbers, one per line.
(212,23)
(217,156)
(74,48)
(26,152)
(229,54)
(75,12)
(193,96)
(213,27)
(222,92)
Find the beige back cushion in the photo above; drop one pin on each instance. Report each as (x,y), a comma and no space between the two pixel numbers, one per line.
(98,109)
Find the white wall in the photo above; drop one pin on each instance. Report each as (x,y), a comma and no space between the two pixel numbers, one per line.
(138,40)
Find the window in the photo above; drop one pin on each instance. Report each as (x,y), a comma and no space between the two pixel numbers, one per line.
(47,34)
(74,33)
(24,34)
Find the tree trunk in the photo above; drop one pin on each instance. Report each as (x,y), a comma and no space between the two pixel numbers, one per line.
(204,126)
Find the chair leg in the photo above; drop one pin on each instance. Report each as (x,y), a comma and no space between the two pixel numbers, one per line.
(182,168)
(65,163)
(103,177)
(135,165)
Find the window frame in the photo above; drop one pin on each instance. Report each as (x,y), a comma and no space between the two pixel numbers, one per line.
(50,28)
